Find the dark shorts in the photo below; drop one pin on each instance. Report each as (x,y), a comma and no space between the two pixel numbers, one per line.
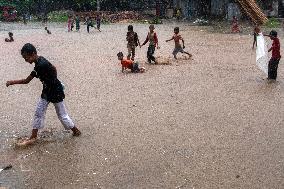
(272,68)
(177,50)
(135,68)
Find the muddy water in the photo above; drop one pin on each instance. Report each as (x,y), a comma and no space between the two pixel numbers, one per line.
(210,122)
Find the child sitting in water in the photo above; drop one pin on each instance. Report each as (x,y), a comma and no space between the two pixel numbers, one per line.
(10,39)
(48,32)
(52,92)
(178,48)
(128,64)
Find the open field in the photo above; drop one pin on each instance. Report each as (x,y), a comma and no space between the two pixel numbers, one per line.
(210,122)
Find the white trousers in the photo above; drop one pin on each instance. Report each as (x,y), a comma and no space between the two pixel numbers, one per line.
(61,112)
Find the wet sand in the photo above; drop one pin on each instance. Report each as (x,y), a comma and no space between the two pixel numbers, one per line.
(210,122)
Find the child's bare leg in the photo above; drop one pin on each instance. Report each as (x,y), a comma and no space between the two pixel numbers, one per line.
(129,52)
(34,134)
(37,123)
(30,140)
(133,54)
(189,55)
(76,131)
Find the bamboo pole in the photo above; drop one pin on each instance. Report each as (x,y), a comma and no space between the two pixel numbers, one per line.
(253,11)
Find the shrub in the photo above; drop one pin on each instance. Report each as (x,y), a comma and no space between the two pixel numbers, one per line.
(272,23)
(58,16)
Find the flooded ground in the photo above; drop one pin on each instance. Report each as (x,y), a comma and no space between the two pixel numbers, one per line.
(210,122)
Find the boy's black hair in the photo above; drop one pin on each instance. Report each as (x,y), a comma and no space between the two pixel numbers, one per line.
(176,29)
(28,49)
(130,28)
(10,34)
(273,33)
(119,54)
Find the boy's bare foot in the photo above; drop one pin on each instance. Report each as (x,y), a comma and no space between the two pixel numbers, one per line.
(76,131)
(26,142)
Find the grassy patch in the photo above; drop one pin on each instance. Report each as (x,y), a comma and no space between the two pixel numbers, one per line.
(58,16)
(272,23)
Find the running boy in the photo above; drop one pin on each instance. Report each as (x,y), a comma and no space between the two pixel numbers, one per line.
(128,64)
(177,37)
(132,42)
(275,58)
(52,92)
(153,43)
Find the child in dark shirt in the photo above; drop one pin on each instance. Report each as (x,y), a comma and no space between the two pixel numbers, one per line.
(98,20)
(129,64)
(10,39)
(77,21)
(132,42)
(275,58)
(89,23)
(52,92)
(178,48)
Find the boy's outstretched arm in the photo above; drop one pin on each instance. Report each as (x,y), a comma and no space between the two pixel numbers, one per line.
(146,41)
(22,81)
(170,39)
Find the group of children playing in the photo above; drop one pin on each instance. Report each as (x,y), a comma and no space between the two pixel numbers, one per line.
(133,42)
(88,22)
(53,89)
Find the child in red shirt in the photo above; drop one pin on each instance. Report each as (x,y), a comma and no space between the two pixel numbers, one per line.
(128,64)
(235,25)
(274,61)
(153,43)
